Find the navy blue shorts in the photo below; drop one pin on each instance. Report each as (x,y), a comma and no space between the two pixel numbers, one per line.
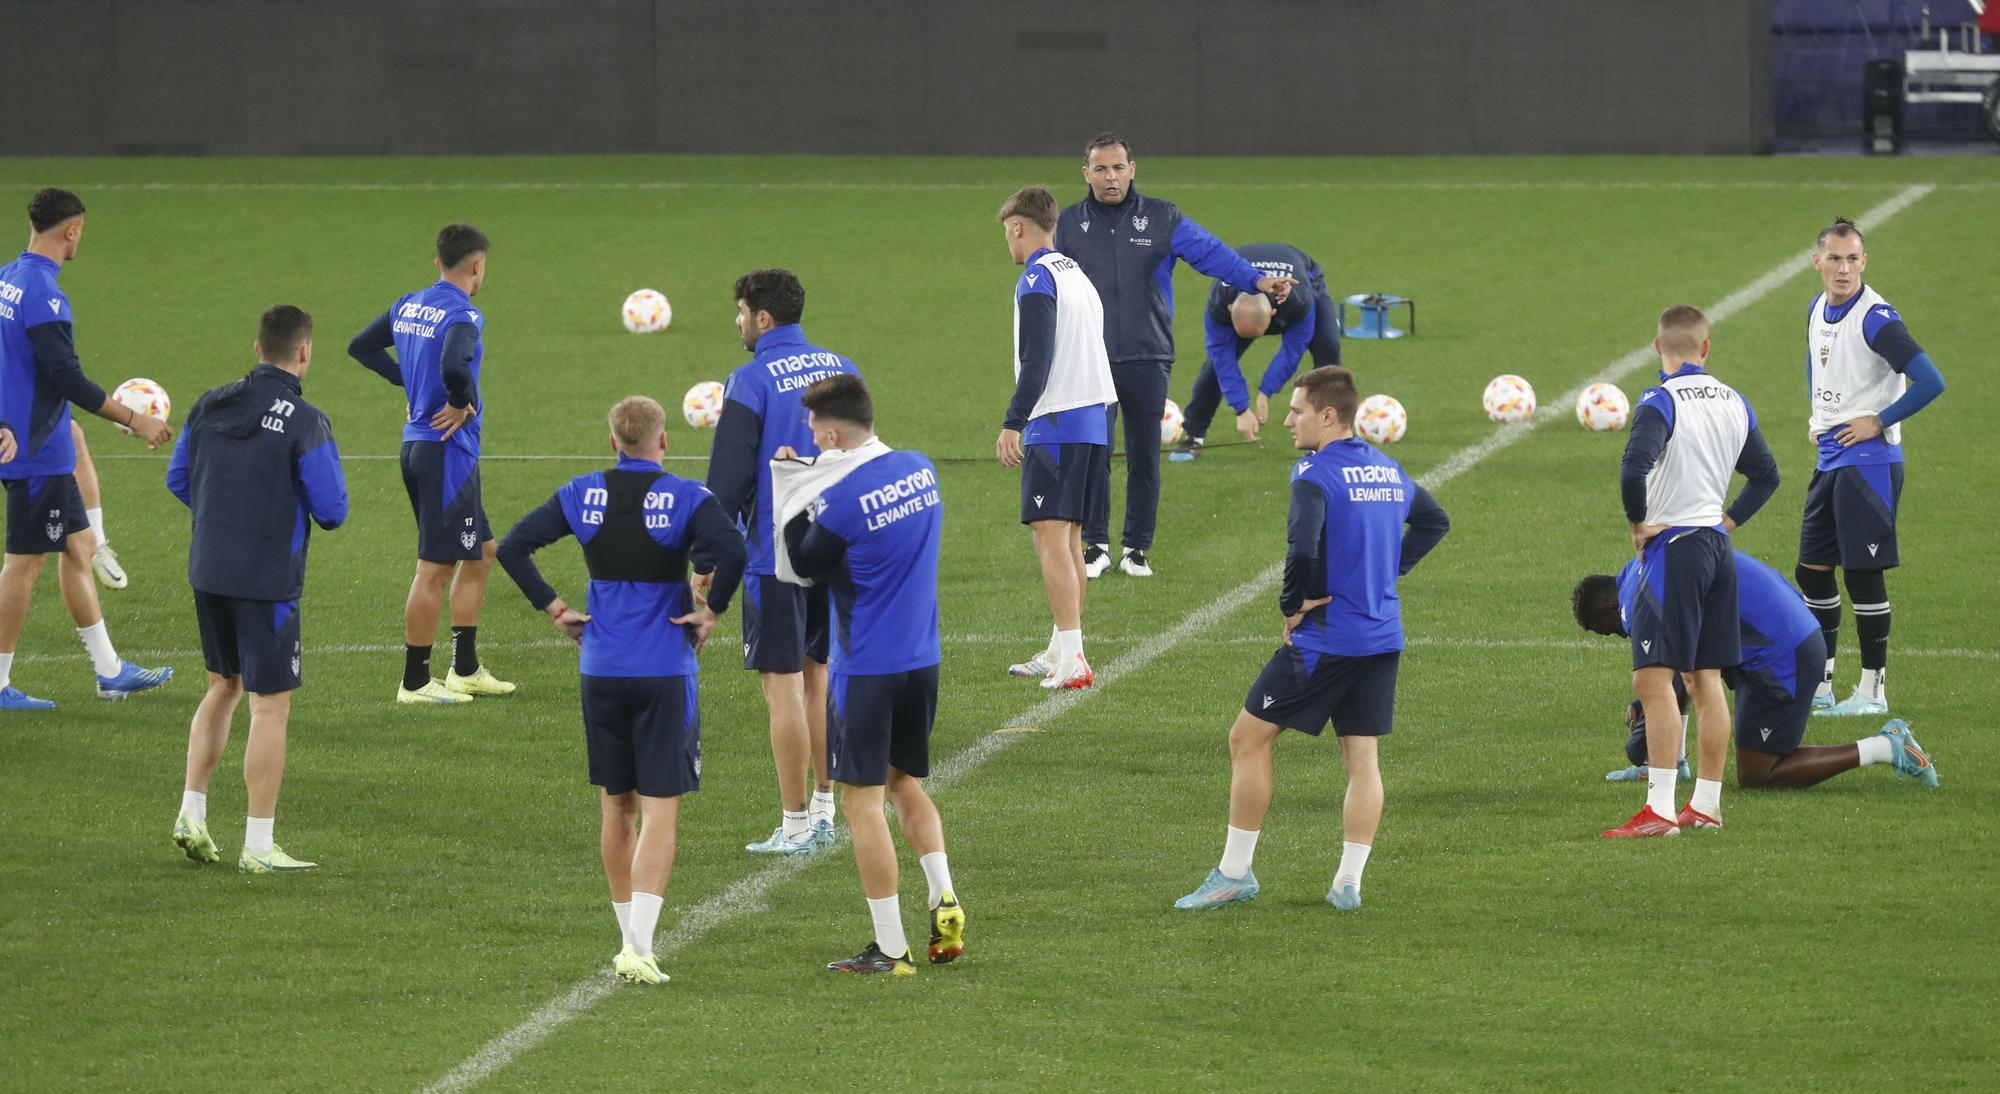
(42,513)
(443,483)
(1850,517)
(643,733)
(1061,481)
(874,723)
(1303,690)
(783,624)
(255,639)
(1773,704)
(1686,614)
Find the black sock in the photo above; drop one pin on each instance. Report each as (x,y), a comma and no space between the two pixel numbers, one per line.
(1823,598)
(1870,595)
(416,667)
(465,650)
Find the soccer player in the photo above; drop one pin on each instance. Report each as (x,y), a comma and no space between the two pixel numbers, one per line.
(872,535)
(1055,430)
(1305,323)
(1346,545)
(104,560)
(640,528)
(784,626)
(257,465)
(39,377)
(1782,649)
(439,343)
(1127,244)
(1687,436)
(1866,375)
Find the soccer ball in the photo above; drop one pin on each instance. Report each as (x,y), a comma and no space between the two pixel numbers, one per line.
(647,312)
(143,396)
(1170,423)
(1509,398)
(1603,408)
(1381,420)
(702,405)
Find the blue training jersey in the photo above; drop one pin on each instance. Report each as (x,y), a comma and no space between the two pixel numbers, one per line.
(1773,616)
(420,320)
(1368,497)
(629,633)
(37,412)
(769,386)
(885,593)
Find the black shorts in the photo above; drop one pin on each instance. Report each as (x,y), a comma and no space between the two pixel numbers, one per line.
(1303,690)
(1774,704)
(874,723)
(643,733)
(1061,481)
(783,624)
(1850,517)
(443,482)
(1686,614)
(255,639)
(42,513)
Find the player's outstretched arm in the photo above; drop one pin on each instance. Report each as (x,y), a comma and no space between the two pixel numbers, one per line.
(1759,469)
(815,552)
(1291,350)
(371,348)
(1220,338)
(716,548)
(1427,525)
(1199,248)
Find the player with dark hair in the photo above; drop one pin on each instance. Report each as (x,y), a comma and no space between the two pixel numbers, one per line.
(439,343)
(1306,322)
(1782,649)
(257,466)
(641,529)
(784,626)
(1346,546)
(866,520)
(40,377)
(1127,244)
(1866,376)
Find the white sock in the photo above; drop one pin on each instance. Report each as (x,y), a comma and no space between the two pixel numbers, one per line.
(97,640)
(1238,848)
(821,807)
(1660,790)
(1875,750)
(888,916)
(1826,682)
(623,910)
(796,826)
(97,524)
(1353,860)
(645,920)
(1055,641)
(6,669)
(1873,686)
(1707,797)
(938,874)
(1069,643)
(195,803)
(257,834)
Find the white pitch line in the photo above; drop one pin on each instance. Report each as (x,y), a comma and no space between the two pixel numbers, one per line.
(889,186)
(746,896)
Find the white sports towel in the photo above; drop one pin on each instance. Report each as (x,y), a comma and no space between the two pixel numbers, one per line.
(797,484)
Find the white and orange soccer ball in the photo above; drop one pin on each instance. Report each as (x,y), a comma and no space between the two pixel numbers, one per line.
(143,396)
(1509,398)
(1603,408)
(702,405)
(1381,420)
(1171,421)
(647,312)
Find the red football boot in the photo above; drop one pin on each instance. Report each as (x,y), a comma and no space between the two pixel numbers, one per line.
(1643,823)
(1691,818)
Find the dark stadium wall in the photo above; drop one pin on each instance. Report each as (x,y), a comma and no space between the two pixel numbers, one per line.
(1180,77)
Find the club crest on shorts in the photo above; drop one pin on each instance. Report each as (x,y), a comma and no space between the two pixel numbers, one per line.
(469,539)
(54,530)
(295,665)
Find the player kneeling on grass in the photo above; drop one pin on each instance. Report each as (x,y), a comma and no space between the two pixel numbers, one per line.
(1345,548)
(640,528)
(257,465)
(1783,654)
(866,519)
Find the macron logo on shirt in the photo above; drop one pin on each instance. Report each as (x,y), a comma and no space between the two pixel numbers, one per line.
(55,304)
(1032,277)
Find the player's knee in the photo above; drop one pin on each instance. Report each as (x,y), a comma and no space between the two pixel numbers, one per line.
(1249,736)
(1867,586)
(225,687)
(1756,771)
(27,566)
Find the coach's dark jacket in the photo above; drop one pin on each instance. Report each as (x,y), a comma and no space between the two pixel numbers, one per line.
(256,462)
(1128,251)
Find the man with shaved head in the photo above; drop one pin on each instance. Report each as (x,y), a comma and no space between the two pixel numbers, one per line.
(1304,321)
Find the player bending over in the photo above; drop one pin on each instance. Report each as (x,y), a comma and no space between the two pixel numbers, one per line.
(866,520)
(1306,322)
(1345,548)
(640,528)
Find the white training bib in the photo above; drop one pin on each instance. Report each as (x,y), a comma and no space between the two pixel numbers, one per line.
(1080,375)
(1711,422)
(1849,380)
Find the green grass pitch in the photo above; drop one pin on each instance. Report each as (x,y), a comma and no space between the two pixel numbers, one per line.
(1842,937)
